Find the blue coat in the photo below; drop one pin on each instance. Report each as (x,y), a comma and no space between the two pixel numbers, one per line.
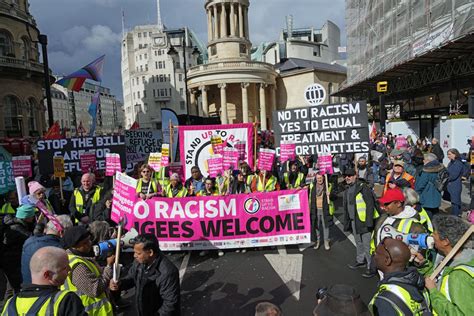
(425,185)
(29,248)
(455,170)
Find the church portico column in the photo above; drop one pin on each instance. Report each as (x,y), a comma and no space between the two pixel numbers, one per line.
(263,108)
(241,21)
(232,20)
(192,101)
(245,102)
(224,117)
(216,25)
(205,103)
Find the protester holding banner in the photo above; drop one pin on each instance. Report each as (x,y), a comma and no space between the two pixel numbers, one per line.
(86,277)
(195,183)
(264,181)
(209,188)
(321,210)
(293,179)
(84,198)
(175,188)
(146,186)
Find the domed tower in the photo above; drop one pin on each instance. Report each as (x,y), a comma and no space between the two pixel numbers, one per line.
(230,84)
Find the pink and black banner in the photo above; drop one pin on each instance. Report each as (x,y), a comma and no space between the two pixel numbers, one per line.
(216,222)
(195,143)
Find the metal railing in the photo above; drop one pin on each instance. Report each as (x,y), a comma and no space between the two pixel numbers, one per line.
(20,63)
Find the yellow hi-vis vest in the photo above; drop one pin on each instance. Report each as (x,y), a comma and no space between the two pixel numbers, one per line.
(361,208)
(425,220)
(80,200)
(153,185)
(444,289)
(416,308)
(161,177)
(97,306)
(270,184)
(7,209)
(298,181)
(332,208)
(169,192)
(42,305)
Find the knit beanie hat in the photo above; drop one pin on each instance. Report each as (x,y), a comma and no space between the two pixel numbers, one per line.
(34,186)
(174,176)
(72,236)
(25,211)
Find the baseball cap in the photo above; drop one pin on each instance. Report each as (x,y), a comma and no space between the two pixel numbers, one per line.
(399,163)
(392,195)
(349,172)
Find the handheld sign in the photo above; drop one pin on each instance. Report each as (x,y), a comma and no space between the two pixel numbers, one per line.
(154,161)
(214,165)
(325,164)
(58,165)
(265,159)
(165,155)
(230,158)
(22,166)
(112,164)
(217,144)
(242,149)
(88,162)
(287,151)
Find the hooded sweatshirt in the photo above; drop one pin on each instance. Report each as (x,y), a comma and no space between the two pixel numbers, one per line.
(410,280)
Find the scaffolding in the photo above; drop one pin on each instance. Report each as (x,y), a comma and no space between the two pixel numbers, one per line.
(382,34)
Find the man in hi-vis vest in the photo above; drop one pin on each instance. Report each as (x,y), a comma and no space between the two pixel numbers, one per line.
(84,198)
(359,217)
(49,268)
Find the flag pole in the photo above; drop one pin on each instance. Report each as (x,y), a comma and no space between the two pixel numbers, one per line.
(171,141)
(255,144)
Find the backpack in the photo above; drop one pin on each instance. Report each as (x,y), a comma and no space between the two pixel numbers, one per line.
(442,180)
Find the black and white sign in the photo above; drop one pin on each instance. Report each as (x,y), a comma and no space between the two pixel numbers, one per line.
(333,128)
(140,143)
(71,149)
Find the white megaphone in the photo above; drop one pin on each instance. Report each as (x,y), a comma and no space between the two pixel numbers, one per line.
(423,241)
(128,240)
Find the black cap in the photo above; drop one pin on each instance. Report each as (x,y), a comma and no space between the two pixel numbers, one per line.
(341,300)
(74,235)
(349,172)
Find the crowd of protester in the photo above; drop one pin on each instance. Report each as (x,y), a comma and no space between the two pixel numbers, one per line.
(413,179)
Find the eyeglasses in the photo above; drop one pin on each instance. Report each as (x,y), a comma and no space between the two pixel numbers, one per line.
(384,247)
(146,171)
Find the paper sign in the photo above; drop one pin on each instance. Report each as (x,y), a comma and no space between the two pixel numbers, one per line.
(22,166)
(88,162)
(214,165)
(112,164)
(58,165)
(217,144)
(154,161)
(165,155)
(287,151)
(176,167)
(325,164)
(241,147)
(230,158)
(312,172)
(265,159)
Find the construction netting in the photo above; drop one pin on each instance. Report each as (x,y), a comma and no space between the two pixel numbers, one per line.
(384,33)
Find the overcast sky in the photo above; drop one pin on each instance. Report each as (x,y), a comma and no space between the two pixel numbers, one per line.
(81,30)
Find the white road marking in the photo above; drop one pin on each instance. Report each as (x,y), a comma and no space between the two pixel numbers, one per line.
(348,235)
(184,265)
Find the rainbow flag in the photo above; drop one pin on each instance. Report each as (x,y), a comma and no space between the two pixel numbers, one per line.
(91,71)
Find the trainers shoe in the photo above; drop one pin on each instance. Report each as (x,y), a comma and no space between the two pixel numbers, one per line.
(326,245)
(356,265)
(203,253)
(368,274)
(220,253)
(316,245)
(244,250)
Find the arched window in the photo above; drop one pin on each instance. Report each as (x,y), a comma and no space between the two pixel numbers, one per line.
(11,110)
(6,44)
(25,49)
(31,107)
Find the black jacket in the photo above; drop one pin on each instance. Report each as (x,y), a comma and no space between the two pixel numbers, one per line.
(438,151)
(157,289)
(312,203)
(410,280)
(368,196)
(70,305)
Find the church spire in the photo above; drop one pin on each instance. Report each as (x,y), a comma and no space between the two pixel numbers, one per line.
(158,11)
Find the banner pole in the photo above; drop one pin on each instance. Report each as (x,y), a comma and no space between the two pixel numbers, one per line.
(117,252)
(327,186)
(171,141)
(255,144)
(61,188)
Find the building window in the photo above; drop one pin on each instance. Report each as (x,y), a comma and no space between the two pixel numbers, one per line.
(160,64)
(154,93)
(138,94)
(164,65)
(6,45)
(140,57)
(156,53)
(146,67)
(144,93)
(156,65)
(11,111)
(141,67)
(182,105)
(25,49)
(145,34)
(159,52)
(31,103)
(180,76)
(178,65)
(143,79)
(139,35)
(181,91)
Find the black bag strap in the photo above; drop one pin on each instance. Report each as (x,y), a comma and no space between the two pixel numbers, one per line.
(393,299)
(34,309)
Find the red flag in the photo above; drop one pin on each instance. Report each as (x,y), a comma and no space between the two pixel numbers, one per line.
(135,125)
(373,132)
(54,132)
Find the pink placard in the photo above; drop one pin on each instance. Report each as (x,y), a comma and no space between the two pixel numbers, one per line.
(287,151)
(214,165)
(231,158)
(177,167)
(241,147)
(124,198)
(165,155)
(265,159)
(88,162)
(112,164)
(325,164)
(232,221)
(22,166)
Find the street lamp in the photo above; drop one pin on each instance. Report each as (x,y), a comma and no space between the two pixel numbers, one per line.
(173,53)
